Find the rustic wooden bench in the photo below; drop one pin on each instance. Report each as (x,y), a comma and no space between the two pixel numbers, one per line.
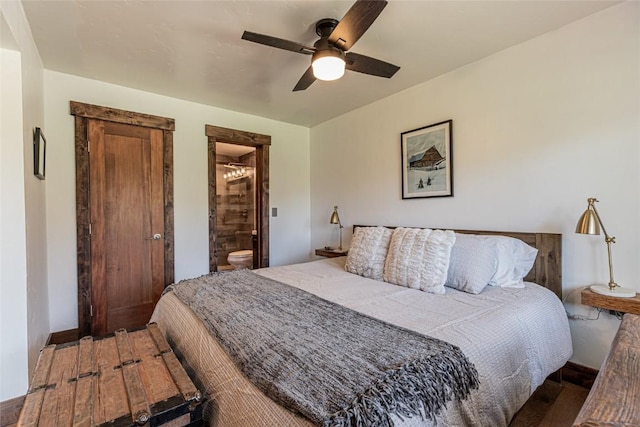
(124,379)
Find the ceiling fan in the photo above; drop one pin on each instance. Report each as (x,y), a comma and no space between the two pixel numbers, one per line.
(329,54)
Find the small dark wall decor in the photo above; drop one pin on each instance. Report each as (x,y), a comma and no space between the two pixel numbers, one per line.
(426,161)
(39,153)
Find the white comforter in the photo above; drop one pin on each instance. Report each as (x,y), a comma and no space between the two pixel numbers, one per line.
(515,338)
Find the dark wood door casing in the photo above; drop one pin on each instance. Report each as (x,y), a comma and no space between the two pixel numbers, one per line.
(261,143)
(83,113)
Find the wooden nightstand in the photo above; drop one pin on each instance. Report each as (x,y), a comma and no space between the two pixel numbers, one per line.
(331,253)
(624,305)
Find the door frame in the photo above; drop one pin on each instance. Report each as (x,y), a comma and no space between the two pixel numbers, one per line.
(261,143)
(84,112)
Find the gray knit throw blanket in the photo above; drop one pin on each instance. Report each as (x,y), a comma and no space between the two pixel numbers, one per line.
(326,362)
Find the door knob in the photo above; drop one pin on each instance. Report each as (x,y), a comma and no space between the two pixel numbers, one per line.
(155,237)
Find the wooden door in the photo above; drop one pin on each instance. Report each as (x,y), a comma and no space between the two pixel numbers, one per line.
(127,224)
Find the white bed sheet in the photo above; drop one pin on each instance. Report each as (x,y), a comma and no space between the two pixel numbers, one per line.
(515,338)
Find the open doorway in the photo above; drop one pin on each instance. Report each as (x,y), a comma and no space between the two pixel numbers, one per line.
(238,199)
(236,222)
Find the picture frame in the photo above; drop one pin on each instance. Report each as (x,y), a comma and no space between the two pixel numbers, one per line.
(39,153)
(427,162)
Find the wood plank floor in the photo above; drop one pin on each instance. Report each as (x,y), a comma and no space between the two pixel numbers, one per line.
(552,405)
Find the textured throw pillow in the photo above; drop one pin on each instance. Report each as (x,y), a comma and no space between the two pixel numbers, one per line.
(419,258)
(474,262)
(367,251)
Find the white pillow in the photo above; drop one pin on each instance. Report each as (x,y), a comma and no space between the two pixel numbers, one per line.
(473,263)
(515,259)
(419,258)
(367,251)
(481,260)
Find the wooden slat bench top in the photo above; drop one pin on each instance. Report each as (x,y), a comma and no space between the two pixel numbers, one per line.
(124,379)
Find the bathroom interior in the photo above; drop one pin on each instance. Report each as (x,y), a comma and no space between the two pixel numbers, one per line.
(236,237)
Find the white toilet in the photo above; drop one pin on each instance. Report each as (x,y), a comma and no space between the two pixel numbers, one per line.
(241,259)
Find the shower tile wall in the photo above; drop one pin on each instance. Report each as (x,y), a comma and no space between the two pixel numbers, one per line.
(235,217)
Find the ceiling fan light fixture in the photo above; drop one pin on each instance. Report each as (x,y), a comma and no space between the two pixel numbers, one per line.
(328,64)
(333,49)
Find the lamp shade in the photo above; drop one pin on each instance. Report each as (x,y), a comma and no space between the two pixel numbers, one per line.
(335,219)
(588,223)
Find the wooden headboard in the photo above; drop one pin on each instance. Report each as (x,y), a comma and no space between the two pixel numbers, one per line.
(547,269)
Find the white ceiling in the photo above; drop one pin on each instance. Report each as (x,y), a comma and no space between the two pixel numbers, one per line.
(192,50)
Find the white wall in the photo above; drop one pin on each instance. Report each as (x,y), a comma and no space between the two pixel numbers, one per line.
(537,129)
(30,219)
(289,181)
(13,239)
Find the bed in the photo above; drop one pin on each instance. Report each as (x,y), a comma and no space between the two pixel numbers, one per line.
(515,337)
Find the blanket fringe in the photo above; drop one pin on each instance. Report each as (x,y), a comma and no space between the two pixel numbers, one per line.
(421,387)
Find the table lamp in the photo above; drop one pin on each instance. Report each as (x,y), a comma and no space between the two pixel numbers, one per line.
(335,219)
(590,223)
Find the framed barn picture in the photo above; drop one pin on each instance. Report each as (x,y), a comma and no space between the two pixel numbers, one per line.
(427,162)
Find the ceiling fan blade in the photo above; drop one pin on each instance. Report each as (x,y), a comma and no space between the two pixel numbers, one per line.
(279,43)
(367,65)
(306,80)
(355,22)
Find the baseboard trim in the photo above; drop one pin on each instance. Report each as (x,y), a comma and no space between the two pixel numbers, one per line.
(10,411)
(579,375)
